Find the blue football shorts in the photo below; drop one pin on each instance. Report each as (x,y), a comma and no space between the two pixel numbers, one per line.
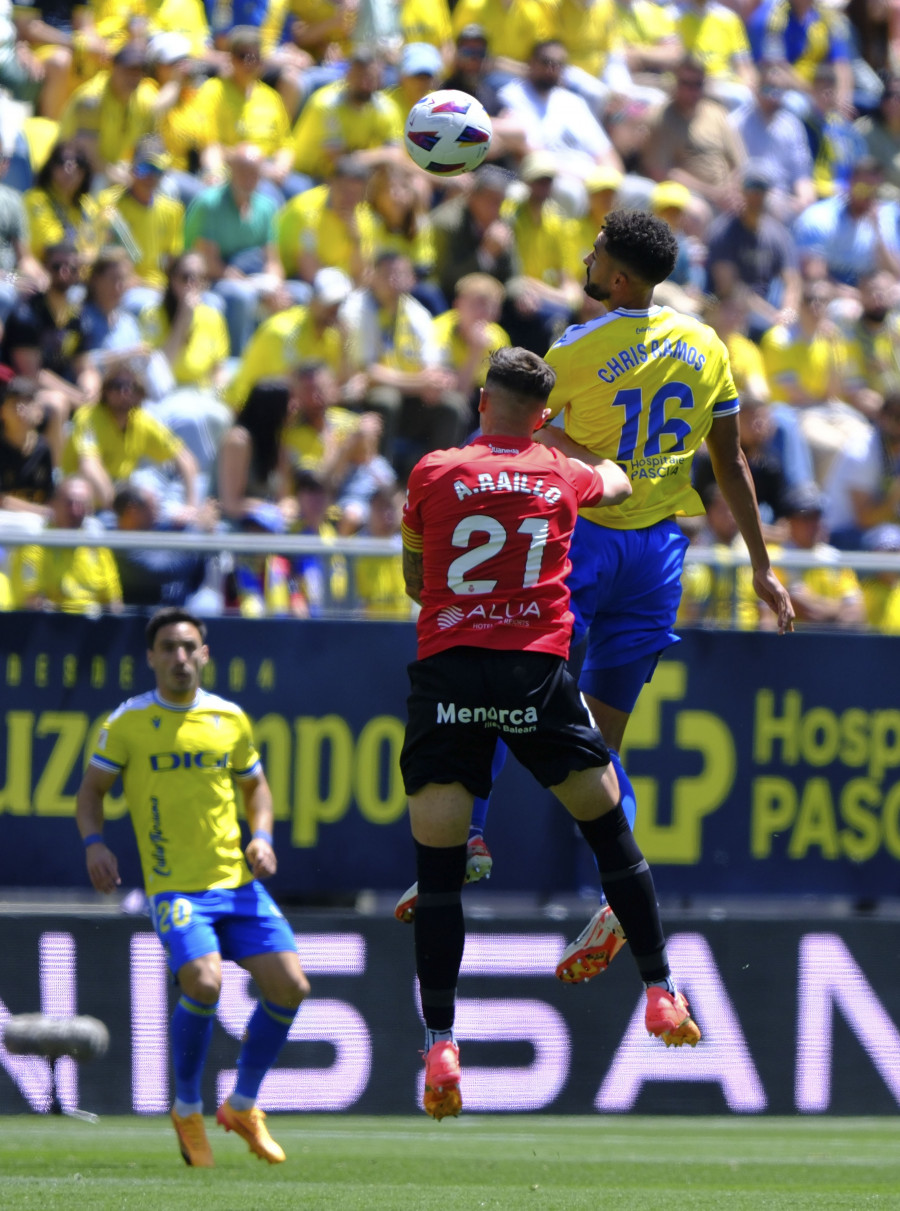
(237,922)
(626,589)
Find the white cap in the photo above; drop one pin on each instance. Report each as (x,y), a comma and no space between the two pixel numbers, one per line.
(168,48)
(331,286)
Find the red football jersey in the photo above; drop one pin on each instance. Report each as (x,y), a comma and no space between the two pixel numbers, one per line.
(493,521)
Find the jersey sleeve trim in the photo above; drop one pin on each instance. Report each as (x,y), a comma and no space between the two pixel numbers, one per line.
(411,540)
(250,772)
(104,763)
(727,407)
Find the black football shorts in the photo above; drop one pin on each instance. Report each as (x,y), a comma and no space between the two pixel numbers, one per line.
(464,699)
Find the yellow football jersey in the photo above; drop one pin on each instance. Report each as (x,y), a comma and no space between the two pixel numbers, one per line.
(715,36)
(643,388)
(278,346)
(309,223)
(157,230)
(95,434)
(76,580)
(95,112)
(455,351)
(177,765)
(259,117)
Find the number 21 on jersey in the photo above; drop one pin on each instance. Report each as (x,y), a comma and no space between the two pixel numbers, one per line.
(537,528)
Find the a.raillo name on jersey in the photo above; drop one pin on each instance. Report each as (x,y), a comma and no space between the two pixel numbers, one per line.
(508,481)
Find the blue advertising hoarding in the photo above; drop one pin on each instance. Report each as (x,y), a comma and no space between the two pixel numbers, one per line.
(762,764)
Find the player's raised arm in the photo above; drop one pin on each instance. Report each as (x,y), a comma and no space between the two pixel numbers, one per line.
(616,484)
(102,866)
(258,806)
(733,477)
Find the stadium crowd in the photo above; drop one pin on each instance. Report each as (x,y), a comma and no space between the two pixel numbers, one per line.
(231,302)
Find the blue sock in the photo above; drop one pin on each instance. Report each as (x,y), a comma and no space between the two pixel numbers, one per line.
(626,790)
(266,1032)
(479,815)
(480,806)
(190,1030)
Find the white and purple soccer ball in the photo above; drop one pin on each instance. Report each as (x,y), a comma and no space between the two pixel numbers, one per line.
(448,132)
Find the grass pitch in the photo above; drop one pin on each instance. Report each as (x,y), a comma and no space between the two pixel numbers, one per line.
(500,1163)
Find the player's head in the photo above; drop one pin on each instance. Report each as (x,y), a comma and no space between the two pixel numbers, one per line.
(515,392)
(177,652)
(634,252)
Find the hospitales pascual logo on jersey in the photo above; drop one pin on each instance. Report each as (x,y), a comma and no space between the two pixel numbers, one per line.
(506,613)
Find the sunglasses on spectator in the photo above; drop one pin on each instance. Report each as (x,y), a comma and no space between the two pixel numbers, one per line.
(71,162)
(813,299)
(189,275)
(246,56)
(471,52)
(123,384)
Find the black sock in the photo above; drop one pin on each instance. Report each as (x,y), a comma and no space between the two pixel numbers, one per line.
(628,887)
(440,930)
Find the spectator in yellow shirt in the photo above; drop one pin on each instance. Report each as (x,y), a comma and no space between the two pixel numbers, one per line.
(181,18)
(351,115)
(314,52)
(75,580)
(396,368)
(721,594)
(323,28)
(190,334)
(826,595)
(240,108)
(192,338)
(468,334)
(330,224)
(111,438)
(881,590)
(61,49)
(60,208)
(400,204)
(546,296)
(180,120)
(107,115)
(317,432)
(421,70)
(715,35)
(145,222)
(806,363)
(602,187)
(299,334)
(512,28)
(428,21)
(379,587)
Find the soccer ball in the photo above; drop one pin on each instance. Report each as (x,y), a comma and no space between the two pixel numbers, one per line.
(448,132)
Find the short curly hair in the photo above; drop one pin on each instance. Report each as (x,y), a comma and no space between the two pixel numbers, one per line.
(642,243)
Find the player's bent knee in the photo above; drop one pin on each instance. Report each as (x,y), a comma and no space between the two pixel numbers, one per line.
(201,980)
(590,793)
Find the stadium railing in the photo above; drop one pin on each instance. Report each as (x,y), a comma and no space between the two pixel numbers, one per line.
(864,563)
